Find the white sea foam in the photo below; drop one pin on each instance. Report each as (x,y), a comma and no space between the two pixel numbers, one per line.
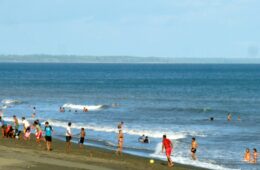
(150,133)
(81,107)
(10,102)
(186,160)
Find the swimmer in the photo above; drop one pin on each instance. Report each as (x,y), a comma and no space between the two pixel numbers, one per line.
(85,109)
(247,155)
(255,156)
(194,146)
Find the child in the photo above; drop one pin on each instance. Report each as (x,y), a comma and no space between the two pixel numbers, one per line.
(82,137)
(48,133)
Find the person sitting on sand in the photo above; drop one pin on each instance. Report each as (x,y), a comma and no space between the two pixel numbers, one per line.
(9,131)
(168,146)
(120,142)
(247,155)
(255,156)
(27,128)
(82,137)
(48,133)
(194,146)
(68,137)
(229,117)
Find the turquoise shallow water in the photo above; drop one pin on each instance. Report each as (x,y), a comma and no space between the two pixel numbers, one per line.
(151,99)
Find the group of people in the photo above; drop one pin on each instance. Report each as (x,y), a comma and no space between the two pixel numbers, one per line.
(248,158)
(144,139)
(12,130)
(62,109)
(167,146)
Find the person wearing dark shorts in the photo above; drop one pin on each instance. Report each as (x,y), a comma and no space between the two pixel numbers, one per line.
(48,136)
(194,146)
(82,137)
(68,137)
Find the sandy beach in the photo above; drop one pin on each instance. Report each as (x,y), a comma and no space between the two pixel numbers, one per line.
(20,155)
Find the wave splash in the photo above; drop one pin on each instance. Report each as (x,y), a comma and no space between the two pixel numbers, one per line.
(186,160)
(81,107)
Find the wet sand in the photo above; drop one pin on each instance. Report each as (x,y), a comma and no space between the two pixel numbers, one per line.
(20,155)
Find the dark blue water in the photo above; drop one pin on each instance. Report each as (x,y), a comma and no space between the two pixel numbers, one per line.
(177,100)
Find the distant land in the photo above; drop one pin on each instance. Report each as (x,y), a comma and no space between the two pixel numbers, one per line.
(121,59)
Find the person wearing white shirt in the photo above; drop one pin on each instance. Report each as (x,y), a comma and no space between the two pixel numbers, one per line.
(68,137)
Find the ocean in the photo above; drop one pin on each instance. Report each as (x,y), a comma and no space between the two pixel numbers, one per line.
(152,99)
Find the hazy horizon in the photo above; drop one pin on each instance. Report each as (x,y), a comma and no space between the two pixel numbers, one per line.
(172,29)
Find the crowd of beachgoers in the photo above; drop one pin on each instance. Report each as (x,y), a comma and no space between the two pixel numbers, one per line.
(45,134)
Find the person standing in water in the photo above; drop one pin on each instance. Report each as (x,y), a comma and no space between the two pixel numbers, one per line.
(48,133)
(120,125)
(68,137)
(194,146)
(120,142)
(168,146)
(247,155)
(82,137)
(255,156)
(229,117)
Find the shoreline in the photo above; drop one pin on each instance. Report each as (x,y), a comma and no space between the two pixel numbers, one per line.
(20,155)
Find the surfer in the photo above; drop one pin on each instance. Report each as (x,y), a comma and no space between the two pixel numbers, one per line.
(168,146)
(194,146)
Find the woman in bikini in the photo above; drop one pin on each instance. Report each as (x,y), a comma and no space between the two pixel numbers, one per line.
(120,142)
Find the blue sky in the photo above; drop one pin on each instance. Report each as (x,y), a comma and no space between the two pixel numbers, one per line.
(162,28)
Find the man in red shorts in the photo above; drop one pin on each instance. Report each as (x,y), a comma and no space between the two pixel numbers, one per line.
(167,145)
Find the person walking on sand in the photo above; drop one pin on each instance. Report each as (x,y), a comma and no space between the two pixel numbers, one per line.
(27,128)
(68,137)
(247,155)
(38,133)
(194,146)
(48,136)
(120,142)
(168,146)
(82,137)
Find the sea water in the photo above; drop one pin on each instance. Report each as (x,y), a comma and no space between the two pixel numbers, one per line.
(152,99)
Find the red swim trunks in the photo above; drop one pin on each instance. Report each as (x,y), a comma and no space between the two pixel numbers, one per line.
(168,151)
